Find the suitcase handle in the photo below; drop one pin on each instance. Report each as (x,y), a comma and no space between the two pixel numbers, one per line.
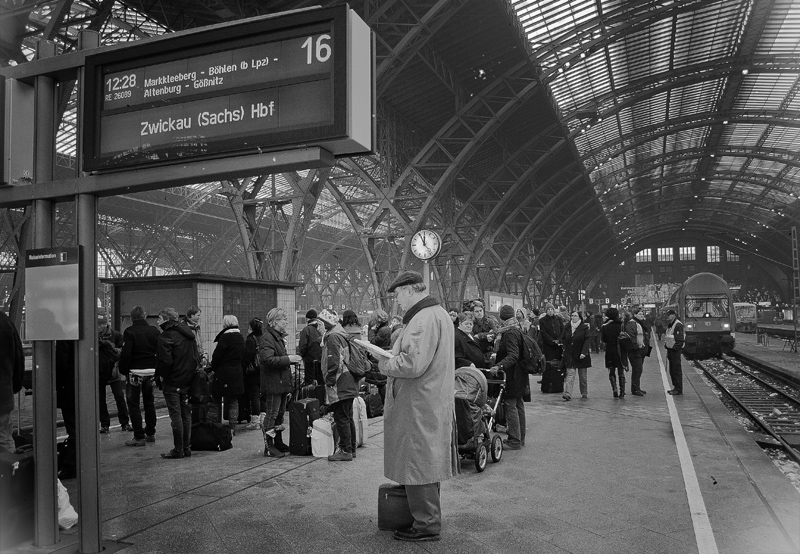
(23,449)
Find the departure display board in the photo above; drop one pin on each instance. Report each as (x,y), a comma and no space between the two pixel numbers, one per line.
(258,85)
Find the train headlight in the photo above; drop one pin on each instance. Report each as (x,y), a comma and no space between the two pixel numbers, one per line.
(726,326)
(690,326)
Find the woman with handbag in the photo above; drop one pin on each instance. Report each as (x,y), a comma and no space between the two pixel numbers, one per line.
(616,360)
(576,340)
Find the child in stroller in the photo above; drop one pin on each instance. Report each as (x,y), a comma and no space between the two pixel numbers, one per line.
(475,418)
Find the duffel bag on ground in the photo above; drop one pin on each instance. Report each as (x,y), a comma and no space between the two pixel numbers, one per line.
(207,435)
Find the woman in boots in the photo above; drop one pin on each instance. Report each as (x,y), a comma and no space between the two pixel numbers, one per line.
(616,362)
(276,380)
(252,373)
(226,363)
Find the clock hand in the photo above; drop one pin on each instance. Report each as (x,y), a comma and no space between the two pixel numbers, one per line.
(423,240)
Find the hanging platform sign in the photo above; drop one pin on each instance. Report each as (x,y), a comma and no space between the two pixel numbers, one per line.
(259,85)
(52,293)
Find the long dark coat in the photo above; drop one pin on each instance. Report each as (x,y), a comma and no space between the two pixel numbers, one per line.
(609,334)
(575,344)
(251,354)
(226,363)
(12,364)
(468,351)
(550,329)
(509,359)
(276,375)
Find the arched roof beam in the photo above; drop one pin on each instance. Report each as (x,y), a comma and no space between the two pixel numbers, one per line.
(643,135)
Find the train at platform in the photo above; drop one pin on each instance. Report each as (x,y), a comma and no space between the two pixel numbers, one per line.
(704,304)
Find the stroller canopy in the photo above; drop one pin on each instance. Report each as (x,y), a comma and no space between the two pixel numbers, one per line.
(470,397)
(471,385)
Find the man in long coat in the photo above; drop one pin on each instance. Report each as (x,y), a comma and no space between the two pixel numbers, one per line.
(420,448)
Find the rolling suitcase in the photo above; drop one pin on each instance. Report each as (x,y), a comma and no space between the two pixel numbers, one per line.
(302,414)
(393,510)
(16,497)
(553,377)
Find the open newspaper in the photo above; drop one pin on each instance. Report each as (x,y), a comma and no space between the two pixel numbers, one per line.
(376,351)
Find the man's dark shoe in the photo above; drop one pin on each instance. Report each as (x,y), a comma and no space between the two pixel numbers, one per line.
(674,392)
(172,455)
(104,430)
(412,535)
(150,438)
(187,452)
(340,456)
(135,442)
(511,445)
(126,427)
(638,393)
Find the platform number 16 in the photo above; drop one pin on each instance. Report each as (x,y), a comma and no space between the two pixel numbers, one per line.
(321,50)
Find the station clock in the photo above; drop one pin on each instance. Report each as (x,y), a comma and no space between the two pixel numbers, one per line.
(426,244)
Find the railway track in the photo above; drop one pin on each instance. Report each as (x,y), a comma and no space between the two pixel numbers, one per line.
(773,408)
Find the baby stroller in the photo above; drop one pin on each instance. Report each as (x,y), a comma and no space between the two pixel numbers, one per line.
(475,418)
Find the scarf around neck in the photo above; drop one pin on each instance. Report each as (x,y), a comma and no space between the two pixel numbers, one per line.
(426,302)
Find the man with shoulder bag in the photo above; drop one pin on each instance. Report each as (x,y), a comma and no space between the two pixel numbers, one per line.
(674,344)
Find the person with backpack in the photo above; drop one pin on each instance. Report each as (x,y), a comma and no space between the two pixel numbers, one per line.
(108,351)
(341,386)
(576,359)
(509,360)
(252,374)
(276,380)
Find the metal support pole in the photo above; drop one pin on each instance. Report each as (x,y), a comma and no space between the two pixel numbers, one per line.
(86,380)
(44,405)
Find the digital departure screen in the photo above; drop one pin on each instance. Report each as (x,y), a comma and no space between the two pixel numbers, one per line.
(261,85)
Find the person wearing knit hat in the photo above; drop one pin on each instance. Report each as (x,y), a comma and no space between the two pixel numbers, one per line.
(310,348)
(509,360)
(329,316)
(550,329)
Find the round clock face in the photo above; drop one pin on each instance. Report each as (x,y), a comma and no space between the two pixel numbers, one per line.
(425,244)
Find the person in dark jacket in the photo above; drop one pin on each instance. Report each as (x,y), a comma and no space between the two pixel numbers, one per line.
(137,363)
(616,361)
(509,360)
(576,342)
(675,338)
(550,330)
(65,400)
(309,346)
(109,347)
(276,380)
(483,330)
(381,332)
(226,363)
(178,360)
(252,373)
(12,370)
(639,332)
(467,350)
(340,385)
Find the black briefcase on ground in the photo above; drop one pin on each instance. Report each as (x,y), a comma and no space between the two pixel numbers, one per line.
(207,435)
(393,510)
(16,497)
(302,414)
(553,377)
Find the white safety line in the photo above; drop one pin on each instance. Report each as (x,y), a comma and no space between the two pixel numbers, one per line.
(704,535)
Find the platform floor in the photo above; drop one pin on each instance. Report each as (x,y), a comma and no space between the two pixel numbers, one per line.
(774,354)
(653,474)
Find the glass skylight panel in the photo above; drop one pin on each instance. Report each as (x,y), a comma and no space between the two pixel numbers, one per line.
(747,134)
(780,35)
(785,138)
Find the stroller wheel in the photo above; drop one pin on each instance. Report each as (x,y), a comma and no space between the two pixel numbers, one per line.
(497,448)
(481,457)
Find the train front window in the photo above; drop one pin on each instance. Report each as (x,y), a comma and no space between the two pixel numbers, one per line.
(707,306)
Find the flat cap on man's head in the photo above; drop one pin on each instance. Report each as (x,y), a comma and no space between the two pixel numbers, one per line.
(671,312)
(406,278)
